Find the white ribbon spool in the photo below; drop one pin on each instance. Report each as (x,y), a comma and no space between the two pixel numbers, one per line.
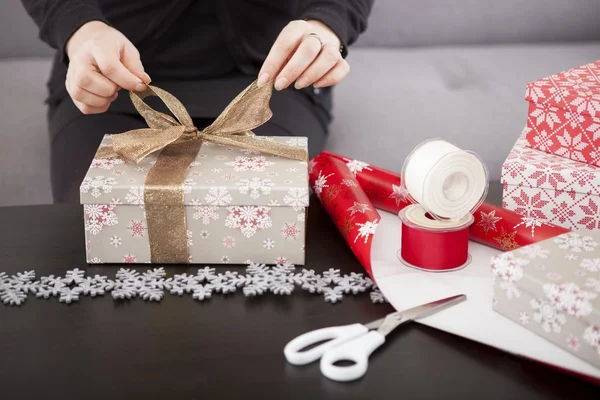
(447,181)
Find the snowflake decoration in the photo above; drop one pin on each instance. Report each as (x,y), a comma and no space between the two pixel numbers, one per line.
(321,183)
(229,242)
(591,335)
(135,195)
(256,164)
(248,219)
(534,251)
(594,284)
(115,241)
(524,318)
(97,216)
(290,231)
(357,166)
(106,163)
(545,314)
(507,240)
(569,298)
(399,194)
(575,242)
(206,213)
(488,221)
(96,185)
(296,197)
(136,228)
(358,208)
(268,243)
(255,187)
(530,222)
(591,264)
(365,230)
(573,343)
(218,196)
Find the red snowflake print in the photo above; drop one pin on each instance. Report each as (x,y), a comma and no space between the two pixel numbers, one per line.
(281,260)
(488,221)
(229,241)
(583,178)
(562,212)
(290,231)
(98,216)
(573,342)
(129,259)
(592,217)
(530,206)
(136,228)
(548,173)
(571,146)
(513,169)
(118,172)
(248,219)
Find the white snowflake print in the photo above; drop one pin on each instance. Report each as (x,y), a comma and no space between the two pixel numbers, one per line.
(96,185)
(136,228)
(140,169)
(571,146)
(575,242)
(321,183)
(190,238)
(196,163)
(135,195)
(545,314)
(257,163)
(204,234)
(510,289)
(216,170)
(97,216)
(206,213)
(255,187)
(311,166)
(229,242)
(399,194)
(290,231)
(249,152)
(353,183)
(571,257)
(524,318)
(534,251)
(292,169)
(248,219)
(296,197)
(106,163)
(129,258)
(569,298)
(229,177)
(594,284)
(196,174)
(272,174)
(547,114)
(573,343)
(115,201)
(366,230)
(218,196)
(591,264)
(297,142)
(115,241)
(118,172)
(508,267)
(301,217)
(225,259)
(591,335)
(95,260)
(274,203)
(358,208)
(357,166)
(268,243)
(188,185)
(530,222)
(221,157)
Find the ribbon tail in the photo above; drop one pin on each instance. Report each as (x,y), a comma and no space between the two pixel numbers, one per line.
(264,146)
(135,145)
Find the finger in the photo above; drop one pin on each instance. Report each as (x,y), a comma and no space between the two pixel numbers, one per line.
(131,60)
(326,60)
(81,95)
(90,79)
(302,58)
(284,46)
(87,109)
(110,66)
(335,75)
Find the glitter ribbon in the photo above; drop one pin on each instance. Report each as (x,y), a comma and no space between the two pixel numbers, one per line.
(179,142)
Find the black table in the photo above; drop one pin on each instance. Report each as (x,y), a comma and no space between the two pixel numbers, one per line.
(228,346)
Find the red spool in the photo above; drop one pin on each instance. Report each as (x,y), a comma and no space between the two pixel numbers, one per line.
(433,245)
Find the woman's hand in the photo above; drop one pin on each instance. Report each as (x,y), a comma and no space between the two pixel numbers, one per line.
(101,62)
(297,56)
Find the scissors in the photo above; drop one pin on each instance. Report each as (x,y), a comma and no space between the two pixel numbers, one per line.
(355,342)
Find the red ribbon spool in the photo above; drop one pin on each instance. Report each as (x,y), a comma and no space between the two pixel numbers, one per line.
(432,245)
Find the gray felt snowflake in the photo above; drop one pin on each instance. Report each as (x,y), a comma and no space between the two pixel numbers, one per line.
(14,290)
(261,279)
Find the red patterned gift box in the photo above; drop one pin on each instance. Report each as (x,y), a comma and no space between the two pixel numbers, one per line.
(551,188)
(564,114)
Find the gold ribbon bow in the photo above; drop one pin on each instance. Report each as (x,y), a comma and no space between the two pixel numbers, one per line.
(179,142)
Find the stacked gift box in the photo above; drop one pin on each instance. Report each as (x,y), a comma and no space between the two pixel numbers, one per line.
(552,176)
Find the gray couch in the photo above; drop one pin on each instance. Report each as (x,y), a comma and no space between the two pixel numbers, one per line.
(425,68)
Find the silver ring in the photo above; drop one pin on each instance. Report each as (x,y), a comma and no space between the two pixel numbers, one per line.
(312,34)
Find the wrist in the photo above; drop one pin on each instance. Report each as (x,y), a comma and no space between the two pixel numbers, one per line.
(87,31)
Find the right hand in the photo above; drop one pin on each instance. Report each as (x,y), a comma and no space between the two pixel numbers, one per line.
(101,62)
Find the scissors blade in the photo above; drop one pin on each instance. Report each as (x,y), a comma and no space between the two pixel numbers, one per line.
(393,320)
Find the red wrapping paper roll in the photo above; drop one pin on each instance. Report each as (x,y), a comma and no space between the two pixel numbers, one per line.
(494,226)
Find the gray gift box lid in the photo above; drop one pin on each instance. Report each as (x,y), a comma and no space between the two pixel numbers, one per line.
(219,176)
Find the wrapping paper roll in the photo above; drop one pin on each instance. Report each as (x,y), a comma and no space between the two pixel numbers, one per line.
(493,226)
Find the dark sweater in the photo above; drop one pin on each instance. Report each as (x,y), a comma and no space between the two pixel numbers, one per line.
(191,40)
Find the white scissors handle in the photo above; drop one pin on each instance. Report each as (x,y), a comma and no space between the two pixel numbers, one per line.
(335,334)
(357,350)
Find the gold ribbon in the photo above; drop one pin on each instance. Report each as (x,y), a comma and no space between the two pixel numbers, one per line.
(179,142)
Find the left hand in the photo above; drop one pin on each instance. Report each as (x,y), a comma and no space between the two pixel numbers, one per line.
(299,57)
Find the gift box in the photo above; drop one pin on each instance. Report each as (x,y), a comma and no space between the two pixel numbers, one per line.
(564,114)
(174,194)
(550,189)
(553,289)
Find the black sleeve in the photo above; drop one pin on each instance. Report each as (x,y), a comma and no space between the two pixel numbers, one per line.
(347,18)
(59,19)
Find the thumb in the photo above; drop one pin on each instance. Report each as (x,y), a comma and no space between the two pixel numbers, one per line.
(130,58)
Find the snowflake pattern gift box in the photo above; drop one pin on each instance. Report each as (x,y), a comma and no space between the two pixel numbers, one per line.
(564,114)
(553,289)
(240,205)
(550,189)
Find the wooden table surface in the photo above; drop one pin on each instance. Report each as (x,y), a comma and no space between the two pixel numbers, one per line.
(229,346)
